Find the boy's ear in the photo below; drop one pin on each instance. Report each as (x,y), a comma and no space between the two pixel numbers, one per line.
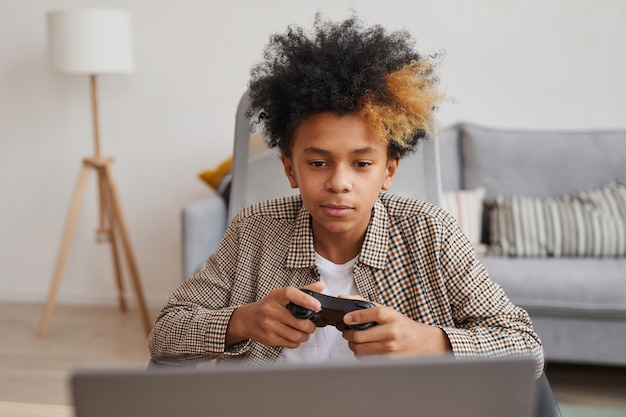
(289,171)
(392,168)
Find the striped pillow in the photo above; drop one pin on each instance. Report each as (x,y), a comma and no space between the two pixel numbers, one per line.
(466,206)
(588,223)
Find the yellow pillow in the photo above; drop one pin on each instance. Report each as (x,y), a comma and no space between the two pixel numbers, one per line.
(215,175)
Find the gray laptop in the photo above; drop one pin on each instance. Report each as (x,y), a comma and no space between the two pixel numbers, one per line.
(432,387)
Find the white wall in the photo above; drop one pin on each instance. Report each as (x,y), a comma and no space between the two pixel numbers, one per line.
(532,64)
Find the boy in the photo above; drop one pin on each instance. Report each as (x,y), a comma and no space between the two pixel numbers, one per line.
(343,105)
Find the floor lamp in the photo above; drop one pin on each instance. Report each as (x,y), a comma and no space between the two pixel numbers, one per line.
(95,42)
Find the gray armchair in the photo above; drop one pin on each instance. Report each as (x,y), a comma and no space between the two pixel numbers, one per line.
(257,175)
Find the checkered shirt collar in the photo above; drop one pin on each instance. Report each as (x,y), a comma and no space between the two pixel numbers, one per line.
(374,252)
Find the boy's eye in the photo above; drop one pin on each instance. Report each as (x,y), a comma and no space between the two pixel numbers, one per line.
(318,164)
(363,164)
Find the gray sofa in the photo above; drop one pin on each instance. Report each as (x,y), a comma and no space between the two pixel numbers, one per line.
(578,304)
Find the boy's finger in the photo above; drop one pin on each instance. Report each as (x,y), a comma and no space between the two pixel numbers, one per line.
(302,299)
(367,315)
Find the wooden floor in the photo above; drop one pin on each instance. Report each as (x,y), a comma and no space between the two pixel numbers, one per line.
(34,370)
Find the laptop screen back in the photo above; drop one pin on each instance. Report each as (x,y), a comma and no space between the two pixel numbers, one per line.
(441,386)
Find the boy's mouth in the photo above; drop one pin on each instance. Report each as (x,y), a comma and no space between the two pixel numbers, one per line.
(336,210)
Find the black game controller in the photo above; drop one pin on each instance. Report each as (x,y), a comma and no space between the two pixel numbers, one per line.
(332,312)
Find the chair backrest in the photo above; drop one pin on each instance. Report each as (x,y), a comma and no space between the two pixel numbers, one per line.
(258,173)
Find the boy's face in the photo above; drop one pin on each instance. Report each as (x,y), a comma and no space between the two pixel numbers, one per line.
(340,168)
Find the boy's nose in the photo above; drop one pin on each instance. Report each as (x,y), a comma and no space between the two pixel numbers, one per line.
(339,180)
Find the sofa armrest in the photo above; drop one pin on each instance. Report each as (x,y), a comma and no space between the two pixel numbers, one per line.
(203,225)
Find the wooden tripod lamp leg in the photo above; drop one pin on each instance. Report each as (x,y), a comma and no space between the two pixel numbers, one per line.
(65,247)
(108,229)
(118,223)
(103,230)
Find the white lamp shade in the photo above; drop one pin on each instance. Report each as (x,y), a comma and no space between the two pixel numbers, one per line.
(91,41)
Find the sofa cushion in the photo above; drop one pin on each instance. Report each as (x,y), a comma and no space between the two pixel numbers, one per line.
(466,206)
(572,286)
(540,163)
(588,223)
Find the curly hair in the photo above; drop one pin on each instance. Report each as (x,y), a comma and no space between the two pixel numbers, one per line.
(345,68)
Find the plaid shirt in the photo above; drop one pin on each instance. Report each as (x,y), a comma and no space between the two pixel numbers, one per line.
(414,259)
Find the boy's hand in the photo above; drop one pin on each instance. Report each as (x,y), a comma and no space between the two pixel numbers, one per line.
(394,333)
(268,321)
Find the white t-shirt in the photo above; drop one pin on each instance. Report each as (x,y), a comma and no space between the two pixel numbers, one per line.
(327,343)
